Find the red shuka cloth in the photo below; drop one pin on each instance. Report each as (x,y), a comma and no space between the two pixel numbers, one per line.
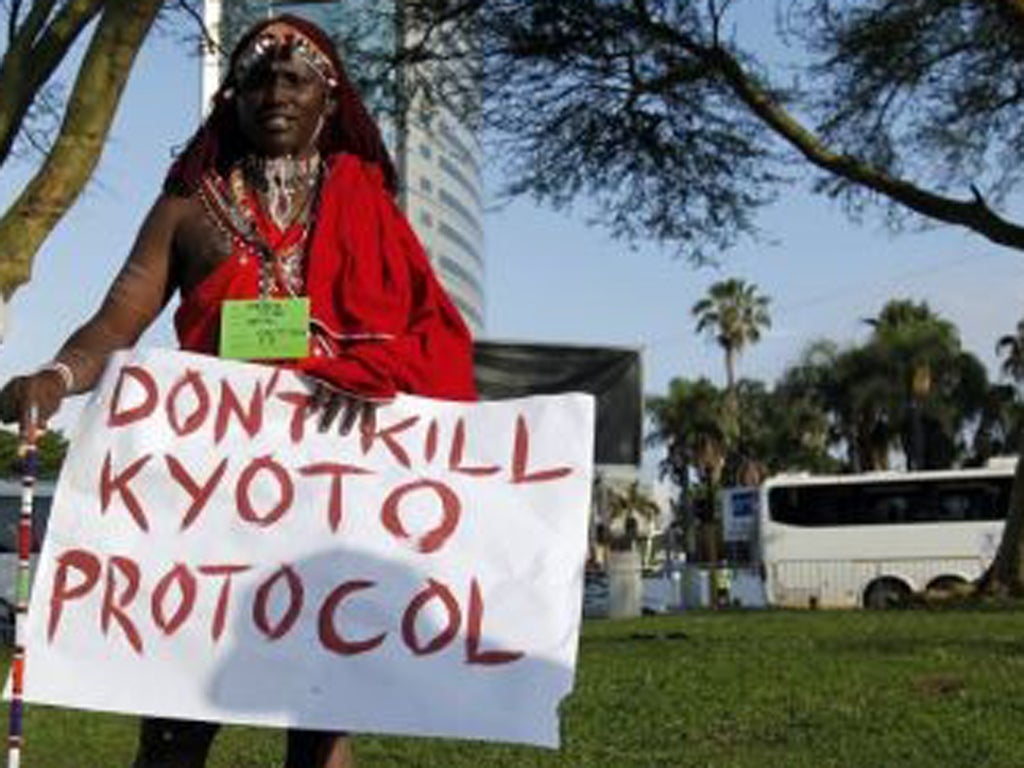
(382,323)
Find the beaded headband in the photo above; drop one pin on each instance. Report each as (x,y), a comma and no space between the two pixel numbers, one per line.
(282,40)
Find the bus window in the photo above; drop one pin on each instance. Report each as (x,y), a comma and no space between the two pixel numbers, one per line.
(889,503)
(891,508)
(977,501)
(955,506)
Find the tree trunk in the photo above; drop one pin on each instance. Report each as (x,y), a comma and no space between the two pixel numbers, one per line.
(732,403)
(730,370)
(1006,573)
(34,51)
(916,455)
(55,187)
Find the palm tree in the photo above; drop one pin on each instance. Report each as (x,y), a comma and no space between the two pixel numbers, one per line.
(692,422)
(1000,425)
(805,423)
(689,422)
(844,397)
(1012,346)
(917,338)
(917,346)
(632,506)
(733,314)
(862,398)
(781,429)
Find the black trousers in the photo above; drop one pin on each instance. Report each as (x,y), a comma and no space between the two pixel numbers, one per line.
(166,743)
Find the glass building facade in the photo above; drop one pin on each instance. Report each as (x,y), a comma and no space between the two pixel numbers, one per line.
(438,155)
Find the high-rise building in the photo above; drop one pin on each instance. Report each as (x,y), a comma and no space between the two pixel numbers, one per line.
(438,154)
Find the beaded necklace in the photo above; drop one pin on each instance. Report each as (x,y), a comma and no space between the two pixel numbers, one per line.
(279,179)
(236,209)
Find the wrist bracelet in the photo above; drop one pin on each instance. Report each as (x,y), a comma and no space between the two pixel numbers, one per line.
(64,371)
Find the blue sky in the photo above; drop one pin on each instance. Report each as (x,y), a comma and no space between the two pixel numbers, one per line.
(550,275)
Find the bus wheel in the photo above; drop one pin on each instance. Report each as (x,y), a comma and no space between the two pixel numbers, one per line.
(947,585)
(886,593)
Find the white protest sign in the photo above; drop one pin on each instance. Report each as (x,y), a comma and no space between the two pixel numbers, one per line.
(212,555)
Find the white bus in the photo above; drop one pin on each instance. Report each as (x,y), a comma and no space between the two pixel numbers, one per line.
(872,539)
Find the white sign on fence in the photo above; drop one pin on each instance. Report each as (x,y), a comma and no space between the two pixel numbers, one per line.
(212,555)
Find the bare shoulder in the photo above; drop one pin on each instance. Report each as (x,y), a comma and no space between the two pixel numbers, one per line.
(160,226)
(171,211)
(197,245)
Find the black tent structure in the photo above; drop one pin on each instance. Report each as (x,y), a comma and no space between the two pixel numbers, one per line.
(509,369)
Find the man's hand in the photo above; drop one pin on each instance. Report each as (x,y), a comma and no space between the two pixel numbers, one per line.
(40,392)
(343,409)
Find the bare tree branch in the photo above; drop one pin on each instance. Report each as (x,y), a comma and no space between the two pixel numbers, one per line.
(25,35)
(94,99)
(431,23)
(210,43)
(973,214)
(23,73)
(12,21)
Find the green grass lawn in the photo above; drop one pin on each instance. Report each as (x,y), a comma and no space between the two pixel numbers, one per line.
(775,689)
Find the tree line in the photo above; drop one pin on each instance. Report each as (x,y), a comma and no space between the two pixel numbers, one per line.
(51,448)
(909,396)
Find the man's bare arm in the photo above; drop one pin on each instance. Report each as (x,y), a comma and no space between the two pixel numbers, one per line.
(135,298)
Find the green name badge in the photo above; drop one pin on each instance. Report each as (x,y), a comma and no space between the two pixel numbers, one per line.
(264,329)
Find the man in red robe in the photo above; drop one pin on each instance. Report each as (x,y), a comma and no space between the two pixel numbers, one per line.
(285,194)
